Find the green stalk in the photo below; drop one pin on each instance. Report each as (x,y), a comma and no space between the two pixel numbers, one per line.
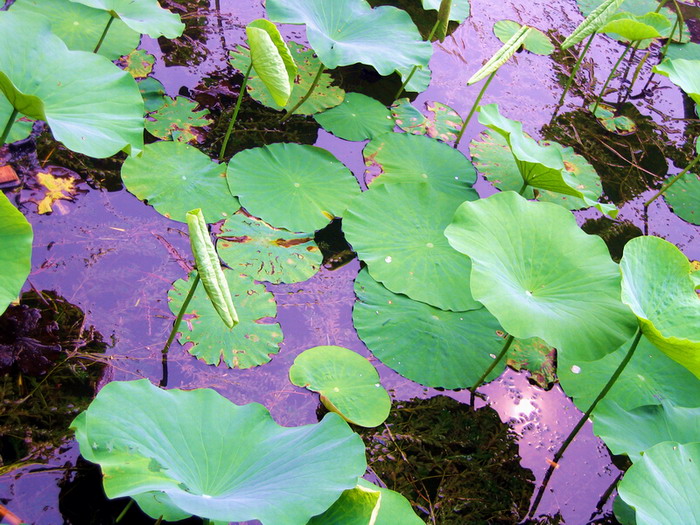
(671,182)
(612,73)
(554,463)
(474,106)
(123,513)
(415,68)
(241,94)
(104,33)
(181,314)
(8,126)
(577,65)
(523,188)
(504,350)
(305,97)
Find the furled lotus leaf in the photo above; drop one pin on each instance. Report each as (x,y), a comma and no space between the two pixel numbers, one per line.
(683,73)
(663,486)
(347,32)
(657,286)
(91,105)
(214,459)
(308,184)
(250,343)
(397,230)
(176,120)
(255,248)
(358,117)
(433,347)
(22,126)
(500,57)
(347,382)
(403,157)
(81,27)
(535,41)
(442,123)
(272,61)
(394,508)
(458,13)
(357,506)
(684,197)
(633,28)
(541,276)
(143,16)
(186,179)
(16,255)
(594,21)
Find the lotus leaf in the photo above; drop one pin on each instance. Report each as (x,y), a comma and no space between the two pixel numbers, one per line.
(535,356)
(255,248)
(501,56)
(357,506)
(689,51)
(683,73)
(623,512)
(402,157)
(324,95)
(684,197)
(459,12)
(22,126)
(397,230)
(443,122)
(91,105)
(16,255)
(433,347)
(186,178)
(250,343)
(143,16)
(313,185)
(663,486)
(176,119)
(621,125)
(80,27)
(211,458)
(393,507)
(153,94)
(636,28)
(347,382)
(541,276)
(535,41)
(138,63)
(358,117)
(657,286)
(597,18)
(345,32)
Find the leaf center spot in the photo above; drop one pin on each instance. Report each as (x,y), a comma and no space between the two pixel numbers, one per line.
(336,389)
(296,185)
(424,175)
(387,260)
(528,293)
(430,245)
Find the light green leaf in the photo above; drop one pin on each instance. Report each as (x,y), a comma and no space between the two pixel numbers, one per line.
(358,117)
(16,255)
(143,16)
(356,506)
(501,56)
(272,61)
(535,42)
(683,73)
(636,28)
(458,13)
(592,23)
(684,198)
(393,507)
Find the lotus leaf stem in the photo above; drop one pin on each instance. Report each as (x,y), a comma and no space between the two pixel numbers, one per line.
(474,106)
(104,33)
(159,521)
(523,188)
(180,315)
(305,97)
(554,464)
(506,346)
(123,512)
(635,76)
(241,94)
(612,73)
(8,126)
(415,68)
(577,65)
(671,182)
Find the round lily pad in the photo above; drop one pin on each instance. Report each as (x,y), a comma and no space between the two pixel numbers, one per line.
(684,198)
(138,63)
(397,230)
(255,248)
(16,255)
(175,178)
(621,125)
(143,16)
(250,343)
(176,119)
(535,42)
(347,382)
(358,117)
(433,347)
(308,185)
(442,123)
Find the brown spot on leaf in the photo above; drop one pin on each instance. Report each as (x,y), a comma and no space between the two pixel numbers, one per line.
(288,243)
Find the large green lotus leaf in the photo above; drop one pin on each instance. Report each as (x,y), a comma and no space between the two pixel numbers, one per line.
(684,198)
(250,343)
(324,96)
(683,73)
(307,185)
(458,13)
(22,126)
(356,506)
(175,177)
(214,459)
(535,41)
(16,255)
(176,119)
(91,105)
(433,347)
(393,508)
(442,123)
(397,230)
(657,286)
(347,382)
(358,117)
(143,16)
(255,248)
(81,27)
(632,432)
(663,486)
(347,32)
(541,276)
(403,157)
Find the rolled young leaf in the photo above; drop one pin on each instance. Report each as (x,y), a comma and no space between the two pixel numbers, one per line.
(443,19)
(501,56)
(209,268)
(593,22)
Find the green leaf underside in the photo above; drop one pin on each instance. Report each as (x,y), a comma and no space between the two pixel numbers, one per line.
(684,196)
(348,383)
(138,63)
(397,230)
(458,13)
(323,96)
(186,178)
(358,117)
(250,343)
(443,122)
(605,114)
(394,508)
(153,94)
(535,41)
(433,347)
(211,458)
(313,185)
(636,28)
(272,60)
(683,73)
(663,486)
(356,506)
(91,106)
(22,126)
(253,247)
(501,56)
(80,27)
(594,21)
(657,286)
(143,16)
(541,276)
(176,119)
(407,158)
(16,255)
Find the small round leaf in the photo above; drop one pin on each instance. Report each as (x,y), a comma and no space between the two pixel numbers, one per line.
(358,117)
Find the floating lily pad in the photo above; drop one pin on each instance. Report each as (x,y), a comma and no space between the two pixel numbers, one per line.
(153,94)
(143,16)
(543,277)
(442,123)
(684,198)
(207,457)
(535,356)
(358,117)
(683,73)
(255,248)
(621,125)
(347,382)
(16,256)
(250,343)
(22,126)
(535,41)
(177,119)
(174,178)
(433,347)
(458,13)
(310,182)
(397,230)
(139,63)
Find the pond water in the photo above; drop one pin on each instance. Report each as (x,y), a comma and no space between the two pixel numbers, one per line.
(116,258)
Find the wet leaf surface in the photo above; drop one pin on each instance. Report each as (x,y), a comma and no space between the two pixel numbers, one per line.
(177,120)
